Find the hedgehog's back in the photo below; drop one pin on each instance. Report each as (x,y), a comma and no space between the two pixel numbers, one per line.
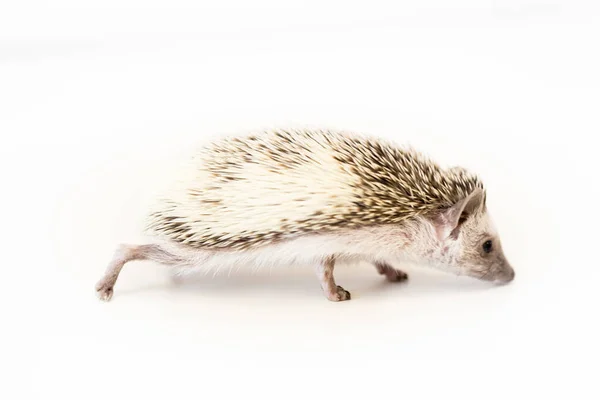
(246,191)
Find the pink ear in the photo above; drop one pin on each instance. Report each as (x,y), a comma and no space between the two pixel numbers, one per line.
(446,222)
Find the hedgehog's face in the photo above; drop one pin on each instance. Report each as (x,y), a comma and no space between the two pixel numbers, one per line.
(469,242)
(480,254)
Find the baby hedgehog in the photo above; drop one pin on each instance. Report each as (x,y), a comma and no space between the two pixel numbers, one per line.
(319,198)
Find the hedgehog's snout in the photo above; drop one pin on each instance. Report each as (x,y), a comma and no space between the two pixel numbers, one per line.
(499,273)
(505,275)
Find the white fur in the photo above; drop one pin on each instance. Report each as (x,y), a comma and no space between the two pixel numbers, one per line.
(413,242)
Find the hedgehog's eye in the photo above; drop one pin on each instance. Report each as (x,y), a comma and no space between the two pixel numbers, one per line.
(487,246)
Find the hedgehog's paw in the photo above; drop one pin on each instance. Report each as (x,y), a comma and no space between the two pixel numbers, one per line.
(339,294)
(104,290)
(391,274)
(395,275)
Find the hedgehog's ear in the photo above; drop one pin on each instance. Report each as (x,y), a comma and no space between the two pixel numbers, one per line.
(448,222)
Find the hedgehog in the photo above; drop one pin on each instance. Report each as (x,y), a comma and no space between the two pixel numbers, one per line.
(322,198)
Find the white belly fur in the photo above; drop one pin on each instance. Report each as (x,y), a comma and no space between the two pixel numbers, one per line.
(367,244)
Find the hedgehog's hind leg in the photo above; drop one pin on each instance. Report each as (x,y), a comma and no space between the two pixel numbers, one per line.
(331,290)
(126,253)
(392,274)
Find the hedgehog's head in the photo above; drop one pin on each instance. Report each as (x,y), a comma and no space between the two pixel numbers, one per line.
(468,242)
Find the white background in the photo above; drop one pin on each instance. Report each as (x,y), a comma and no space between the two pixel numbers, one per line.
(98,97)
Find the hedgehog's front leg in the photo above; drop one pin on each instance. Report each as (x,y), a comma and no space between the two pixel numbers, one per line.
(325,274)
(392,274)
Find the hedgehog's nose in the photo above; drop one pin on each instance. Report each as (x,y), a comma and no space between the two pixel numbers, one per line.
(507,275)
